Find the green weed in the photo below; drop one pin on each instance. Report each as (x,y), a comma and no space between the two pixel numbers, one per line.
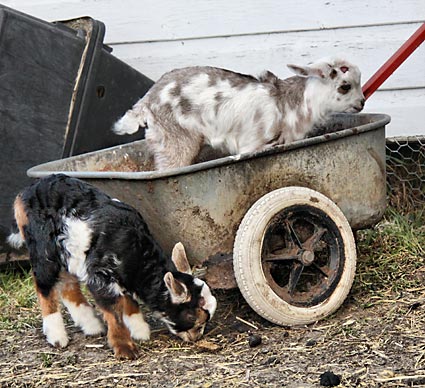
(391,256)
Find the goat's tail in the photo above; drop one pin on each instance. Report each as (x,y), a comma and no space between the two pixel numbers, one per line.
(15,239)
(133,119)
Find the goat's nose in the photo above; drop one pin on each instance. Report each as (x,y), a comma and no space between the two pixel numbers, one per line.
(362,102)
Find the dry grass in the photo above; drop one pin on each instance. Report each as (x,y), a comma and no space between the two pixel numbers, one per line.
(374,340)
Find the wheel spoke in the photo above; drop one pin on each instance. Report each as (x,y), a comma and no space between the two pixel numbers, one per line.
(277,259)
(326,275)
(283,255)
(291,232)
(312,242)
(294,276)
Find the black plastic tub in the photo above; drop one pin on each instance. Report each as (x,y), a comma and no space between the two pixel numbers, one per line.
(61,90)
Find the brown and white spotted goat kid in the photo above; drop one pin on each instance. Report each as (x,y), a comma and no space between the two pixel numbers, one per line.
(236,113)
(74,232)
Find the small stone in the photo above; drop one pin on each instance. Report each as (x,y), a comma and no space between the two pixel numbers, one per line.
(311,342)
(329,379)
(272,361)
(254,340)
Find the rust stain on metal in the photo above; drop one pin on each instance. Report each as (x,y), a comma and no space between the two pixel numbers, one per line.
(213,227)
(150,187)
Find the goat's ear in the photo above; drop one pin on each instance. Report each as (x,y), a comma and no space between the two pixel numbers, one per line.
(302,71)
(308,71)
(179,258)
(178,291)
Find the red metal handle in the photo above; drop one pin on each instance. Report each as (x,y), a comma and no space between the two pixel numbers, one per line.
(394,62)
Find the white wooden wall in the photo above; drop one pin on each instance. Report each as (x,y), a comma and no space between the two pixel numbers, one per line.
(250,36)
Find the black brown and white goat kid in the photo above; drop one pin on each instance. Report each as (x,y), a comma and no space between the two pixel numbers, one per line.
(76,233)
(236,113)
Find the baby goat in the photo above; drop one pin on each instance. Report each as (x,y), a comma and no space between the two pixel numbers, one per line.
(236,113)
(74,232)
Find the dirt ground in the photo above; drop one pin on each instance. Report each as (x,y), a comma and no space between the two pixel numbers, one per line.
(377,346)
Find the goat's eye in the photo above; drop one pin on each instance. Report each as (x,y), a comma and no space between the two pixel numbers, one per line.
(189,318)
(346,87)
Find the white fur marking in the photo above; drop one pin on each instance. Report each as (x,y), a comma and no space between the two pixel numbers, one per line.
(77,241)
(54,330)
(128,124)
(210,300)
(169,324)
(291,120)
(116,289)
(165,93)
(84,316)
(139,329)
(15,240)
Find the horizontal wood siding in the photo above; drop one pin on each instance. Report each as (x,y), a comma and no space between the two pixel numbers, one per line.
(254,53)
(148,20)
(250,36)
(406,108)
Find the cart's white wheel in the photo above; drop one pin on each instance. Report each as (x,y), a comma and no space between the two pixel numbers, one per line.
(294,256)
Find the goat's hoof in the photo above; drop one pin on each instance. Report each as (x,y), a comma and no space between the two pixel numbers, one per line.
(58,341)
(126,351)
(94,328)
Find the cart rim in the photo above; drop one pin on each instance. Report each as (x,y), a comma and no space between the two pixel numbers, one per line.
(376,121)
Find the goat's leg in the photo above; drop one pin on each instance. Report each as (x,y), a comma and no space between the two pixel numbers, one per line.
(110,299)
(53,325)
(119,338)
(172,145)
(46,279)
(81,311)
(134,320)
(46,269)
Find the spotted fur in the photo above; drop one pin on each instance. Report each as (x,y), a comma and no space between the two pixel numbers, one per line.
(237,113)
(76,233)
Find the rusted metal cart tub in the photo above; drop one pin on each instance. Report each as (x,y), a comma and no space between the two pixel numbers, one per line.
(279,222)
